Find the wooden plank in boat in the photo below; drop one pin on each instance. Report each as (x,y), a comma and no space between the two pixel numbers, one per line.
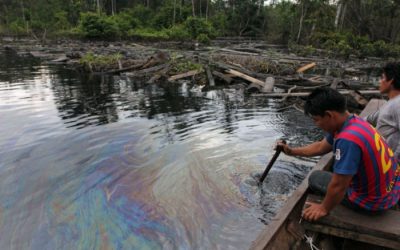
(382,230)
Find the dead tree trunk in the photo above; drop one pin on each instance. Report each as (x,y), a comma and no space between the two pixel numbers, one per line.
(23,16)
(260,3)
(338,14)
(303,13)
(200,10)
(174,16)
(98,6)
(193,9)
(207,9)
(113,7)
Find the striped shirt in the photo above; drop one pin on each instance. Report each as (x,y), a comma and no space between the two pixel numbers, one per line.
(360,151)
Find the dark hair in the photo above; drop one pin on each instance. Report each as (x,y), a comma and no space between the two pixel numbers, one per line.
(324,99)
(392,72)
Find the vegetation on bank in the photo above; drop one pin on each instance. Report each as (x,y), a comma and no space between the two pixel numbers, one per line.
(346,45)
(351,27)
(96,63)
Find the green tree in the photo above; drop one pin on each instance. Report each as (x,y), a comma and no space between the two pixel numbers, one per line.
(95,25)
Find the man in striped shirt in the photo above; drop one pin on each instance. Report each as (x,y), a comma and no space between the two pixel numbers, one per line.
(366,176)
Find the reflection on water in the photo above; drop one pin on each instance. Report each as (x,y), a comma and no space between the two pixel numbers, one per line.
(104,162)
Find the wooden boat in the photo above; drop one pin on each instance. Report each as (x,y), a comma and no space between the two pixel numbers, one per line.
(287,231)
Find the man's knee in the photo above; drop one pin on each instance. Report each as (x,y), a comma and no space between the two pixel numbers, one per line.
(319,180)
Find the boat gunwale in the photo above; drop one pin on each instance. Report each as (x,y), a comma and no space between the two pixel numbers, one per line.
(270,232)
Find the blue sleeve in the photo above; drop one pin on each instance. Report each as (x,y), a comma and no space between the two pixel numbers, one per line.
(347,157)
(329,138)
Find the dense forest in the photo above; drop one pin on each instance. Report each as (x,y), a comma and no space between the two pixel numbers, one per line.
(368,27)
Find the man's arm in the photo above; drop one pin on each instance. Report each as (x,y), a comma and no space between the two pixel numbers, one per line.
(313,149)
(372,118)
(335,194)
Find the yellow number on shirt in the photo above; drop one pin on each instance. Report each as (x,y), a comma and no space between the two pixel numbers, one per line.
(381,148)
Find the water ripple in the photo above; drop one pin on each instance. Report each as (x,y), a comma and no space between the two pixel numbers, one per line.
(90,162)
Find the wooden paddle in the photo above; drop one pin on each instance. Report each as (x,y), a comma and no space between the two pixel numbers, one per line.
(269,166)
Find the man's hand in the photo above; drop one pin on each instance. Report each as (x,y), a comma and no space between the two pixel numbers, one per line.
(285,148)
(313,149)
(314,212)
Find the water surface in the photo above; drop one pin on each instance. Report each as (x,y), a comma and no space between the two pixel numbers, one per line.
(92,162)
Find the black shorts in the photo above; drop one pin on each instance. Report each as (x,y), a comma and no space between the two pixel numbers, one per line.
(318,183)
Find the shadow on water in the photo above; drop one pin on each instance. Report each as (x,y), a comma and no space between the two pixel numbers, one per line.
(102,98)
(79,96)
(14,68)
(104,161)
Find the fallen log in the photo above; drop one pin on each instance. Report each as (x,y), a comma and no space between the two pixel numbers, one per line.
(289,92)
(251,49)
(184,75)
(61,59)
(361,100)
(158,75)
(143,72)
(358,97)
(302,81)
(301,88)
(222,76)
(254,88)
(302,59)
(42,55)
(246,77)
(211,81)
(117,71)
(157,58)
(240,69)
(287,61)
(239,52)
(268,85)
(300,94)
(335,83)
(306,67)
(316,80)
